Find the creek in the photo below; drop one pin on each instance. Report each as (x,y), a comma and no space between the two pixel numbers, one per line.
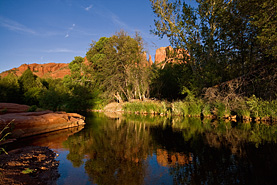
(136,149)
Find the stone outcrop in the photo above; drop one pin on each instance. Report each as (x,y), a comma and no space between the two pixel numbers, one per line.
(25,124)
(160,55)
(169,55)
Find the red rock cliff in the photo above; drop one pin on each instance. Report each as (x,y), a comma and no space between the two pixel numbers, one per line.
(169,55)
(53,70)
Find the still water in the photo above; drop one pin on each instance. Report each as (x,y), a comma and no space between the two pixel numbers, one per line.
(135,149)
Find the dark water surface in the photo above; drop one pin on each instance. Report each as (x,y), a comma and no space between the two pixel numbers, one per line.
(157,150)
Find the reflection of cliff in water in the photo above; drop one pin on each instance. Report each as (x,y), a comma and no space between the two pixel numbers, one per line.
(115,150)
(166,158)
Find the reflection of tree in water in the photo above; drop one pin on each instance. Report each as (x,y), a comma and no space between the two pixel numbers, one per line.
(116,152)
(195,151)
(222,152)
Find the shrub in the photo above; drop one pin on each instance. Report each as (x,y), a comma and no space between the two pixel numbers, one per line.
(206,111)
(221,110)
(180,108)
(242,109)
(195,107)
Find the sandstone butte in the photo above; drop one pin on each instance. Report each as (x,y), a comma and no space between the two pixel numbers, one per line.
(59,70)
(25,123)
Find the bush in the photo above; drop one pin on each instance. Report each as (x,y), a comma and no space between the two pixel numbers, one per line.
(180,108)
(221,110)
(242,109)
(206,111)
(195,107)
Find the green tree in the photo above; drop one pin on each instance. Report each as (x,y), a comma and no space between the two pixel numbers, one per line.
(118,68)
(31,87)
(9,89)
(220,36)
(81,90)
(264,17)
(54,97)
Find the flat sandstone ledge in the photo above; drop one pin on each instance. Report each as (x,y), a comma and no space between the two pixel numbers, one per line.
(25,124)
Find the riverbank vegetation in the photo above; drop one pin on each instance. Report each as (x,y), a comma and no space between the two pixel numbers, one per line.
(224,65)
(247,109)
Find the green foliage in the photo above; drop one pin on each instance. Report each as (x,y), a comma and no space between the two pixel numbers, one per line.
(31,87)
(180,108)
(74,93)
(151,107)
(221,110)
(194,104)
(9,89)
(3,135)
(28,171)
(117,67)
(260,108)
(80,98)
(206,111)
(264,17)
(167,82)
(54,97)
(224,39)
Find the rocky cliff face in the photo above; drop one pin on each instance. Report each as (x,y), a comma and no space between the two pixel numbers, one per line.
(49,70)
(169,55)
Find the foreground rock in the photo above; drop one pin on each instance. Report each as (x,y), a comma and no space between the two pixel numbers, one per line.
(32,123)
(29,165)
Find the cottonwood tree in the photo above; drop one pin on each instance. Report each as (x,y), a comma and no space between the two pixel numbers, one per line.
(223,37)
(118,69)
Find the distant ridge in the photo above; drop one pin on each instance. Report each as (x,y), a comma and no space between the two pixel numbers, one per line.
(59,70)
(49,70)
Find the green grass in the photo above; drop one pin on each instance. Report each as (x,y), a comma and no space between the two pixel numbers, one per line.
(151,107)
(246,108)
(180,108)
(3,135)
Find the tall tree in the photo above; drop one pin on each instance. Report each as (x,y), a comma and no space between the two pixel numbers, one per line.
(31,87)
(220,36)
(118,69)
(9,89)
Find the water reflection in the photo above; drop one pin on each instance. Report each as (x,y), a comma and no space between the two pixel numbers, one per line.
(122,150)
(134,149)
(115,150)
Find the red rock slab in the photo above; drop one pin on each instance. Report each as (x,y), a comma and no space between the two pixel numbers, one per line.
(13,108)
(32,123)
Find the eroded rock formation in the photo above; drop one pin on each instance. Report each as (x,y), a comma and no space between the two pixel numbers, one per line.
(169,55)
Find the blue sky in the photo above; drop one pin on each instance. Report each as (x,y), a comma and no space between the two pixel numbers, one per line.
(43,31)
